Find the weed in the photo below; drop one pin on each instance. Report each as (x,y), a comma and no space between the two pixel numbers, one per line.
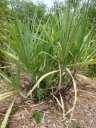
(52,112)
(37,116)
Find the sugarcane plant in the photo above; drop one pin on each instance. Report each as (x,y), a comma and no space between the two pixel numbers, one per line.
(56,44)
(48,52)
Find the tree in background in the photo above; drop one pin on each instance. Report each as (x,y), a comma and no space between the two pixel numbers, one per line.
(27,9)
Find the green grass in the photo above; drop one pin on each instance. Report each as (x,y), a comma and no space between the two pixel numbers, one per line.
(52,112)
(36,116)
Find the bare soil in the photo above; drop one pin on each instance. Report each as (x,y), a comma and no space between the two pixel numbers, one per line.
(84,114)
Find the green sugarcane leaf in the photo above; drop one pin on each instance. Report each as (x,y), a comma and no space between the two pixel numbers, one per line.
(5,76)
(10,56)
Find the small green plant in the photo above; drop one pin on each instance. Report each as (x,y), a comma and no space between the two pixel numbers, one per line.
(37,116)
(52,112)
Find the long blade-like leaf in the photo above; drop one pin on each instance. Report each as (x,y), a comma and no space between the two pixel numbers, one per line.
(6,94)
(4,122)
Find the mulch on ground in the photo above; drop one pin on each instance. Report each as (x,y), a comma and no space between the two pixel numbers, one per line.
(84,114)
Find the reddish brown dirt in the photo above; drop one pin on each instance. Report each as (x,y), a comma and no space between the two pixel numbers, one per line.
(84,114)
(85,111)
